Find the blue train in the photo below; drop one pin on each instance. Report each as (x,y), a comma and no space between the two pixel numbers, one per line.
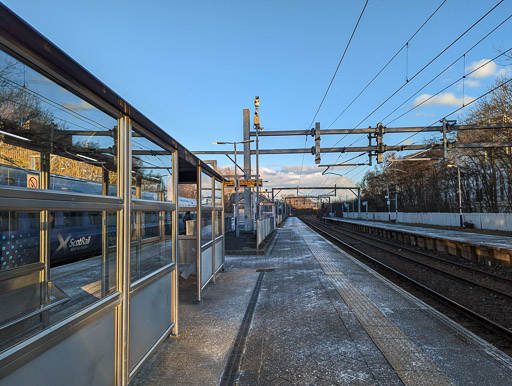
(74,235)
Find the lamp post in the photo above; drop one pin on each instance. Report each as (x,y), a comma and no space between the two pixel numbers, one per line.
(257,128)
(460,192)
(237,231)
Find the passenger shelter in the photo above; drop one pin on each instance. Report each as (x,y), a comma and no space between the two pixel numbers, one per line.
(90,237)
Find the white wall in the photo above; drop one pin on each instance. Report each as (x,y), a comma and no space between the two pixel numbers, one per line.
(491,221)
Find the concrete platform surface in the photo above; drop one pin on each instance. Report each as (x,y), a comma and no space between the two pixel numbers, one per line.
(494,241)
(321,318)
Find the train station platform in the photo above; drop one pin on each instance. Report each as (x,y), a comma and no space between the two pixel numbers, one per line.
(308,313)
(477,247)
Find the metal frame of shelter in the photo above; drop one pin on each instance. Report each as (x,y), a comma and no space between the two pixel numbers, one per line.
(130,304)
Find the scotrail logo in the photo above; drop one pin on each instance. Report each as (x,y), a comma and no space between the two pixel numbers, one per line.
(71,244)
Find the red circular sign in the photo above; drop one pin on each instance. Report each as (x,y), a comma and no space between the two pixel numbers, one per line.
(32,182)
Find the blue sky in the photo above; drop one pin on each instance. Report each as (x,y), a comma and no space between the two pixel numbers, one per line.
(191,67)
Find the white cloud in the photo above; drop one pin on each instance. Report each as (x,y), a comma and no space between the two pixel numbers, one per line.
(471,83)
(424,114)
(489,68)
(82,105)
(444,99)
(289,176)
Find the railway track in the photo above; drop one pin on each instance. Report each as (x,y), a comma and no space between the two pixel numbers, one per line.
(464,294)
(497,284)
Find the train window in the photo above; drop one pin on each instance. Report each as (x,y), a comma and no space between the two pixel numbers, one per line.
(95,218)
(8,221)
(73,219)
(151,246)
(52,219)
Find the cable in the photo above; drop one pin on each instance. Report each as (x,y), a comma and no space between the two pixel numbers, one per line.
(450,85)
(457,110)
(476,44)
(334,76)
(429,63)
(446,68)
(55,104)
(387,64)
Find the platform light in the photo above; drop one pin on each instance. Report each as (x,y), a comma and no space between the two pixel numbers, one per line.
(14,135)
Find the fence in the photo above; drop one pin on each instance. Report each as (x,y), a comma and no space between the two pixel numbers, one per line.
(264,227)
(489,221)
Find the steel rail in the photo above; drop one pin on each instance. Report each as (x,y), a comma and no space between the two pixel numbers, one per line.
(487,323)
(459,265)
(471,282)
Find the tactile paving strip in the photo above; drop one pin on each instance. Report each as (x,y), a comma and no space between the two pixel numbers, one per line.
(412,366)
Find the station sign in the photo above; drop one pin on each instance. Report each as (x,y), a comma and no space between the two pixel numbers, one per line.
(246,183)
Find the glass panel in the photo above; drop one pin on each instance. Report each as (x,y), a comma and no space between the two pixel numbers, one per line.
(218,193)
(83,269)
(151,242)
(81,177)
(38,114)
(206,190)
(218,223)
(82,257)
(187,222)
(152,171)
(19,239)
(187,195)
(206,226)
(18,166)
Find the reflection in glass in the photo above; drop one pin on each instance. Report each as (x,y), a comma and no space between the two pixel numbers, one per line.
(151,246)
(19,239)
(218,193)
(218,223)
(152,171)
(18,166)
(206,226)
(83,259)
(187,222)
(35,110)
(187,195)
(206,190)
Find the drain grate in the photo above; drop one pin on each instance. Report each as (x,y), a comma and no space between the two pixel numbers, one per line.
(266,270)
(235,357)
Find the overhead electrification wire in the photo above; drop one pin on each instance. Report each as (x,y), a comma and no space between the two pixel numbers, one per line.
(457,110)
(334,76)
(431,61)
(55,104)
(445,69)
(339,64)
(428,64)
(406,44)
(450,85)
(388,63)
